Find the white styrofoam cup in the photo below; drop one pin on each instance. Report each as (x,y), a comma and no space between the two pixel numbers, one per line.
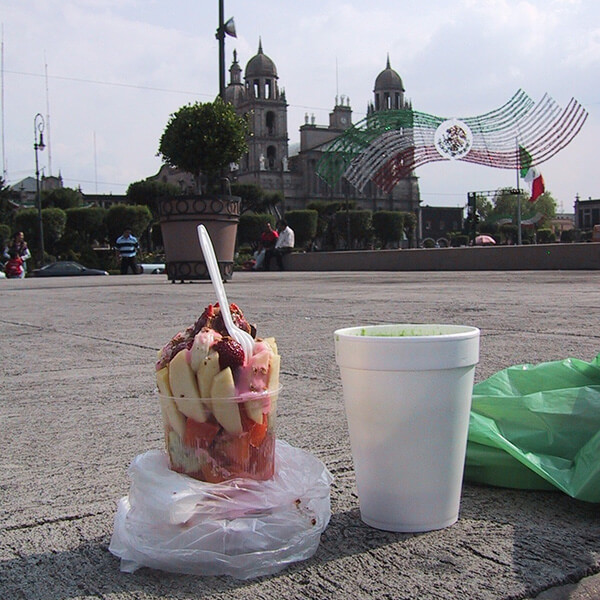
(407,393)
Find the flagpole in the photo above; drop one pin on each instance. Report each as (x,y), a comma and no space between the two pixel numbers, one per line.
(519,236)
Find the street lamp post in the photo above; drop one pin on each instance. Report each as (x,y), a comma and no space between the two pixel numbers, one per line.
(225,28)
(38,144)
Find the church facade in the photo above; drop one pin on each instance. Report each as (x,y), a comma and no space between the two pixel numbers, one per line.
(255,93)
(259,98)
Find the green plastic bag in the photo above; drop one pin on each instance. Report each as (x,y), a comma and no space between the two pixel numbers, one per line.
(538,427)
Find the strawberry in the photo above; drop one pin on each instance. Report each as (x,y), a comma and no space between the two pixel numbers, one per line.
(206,318)
(231,354)
(218,324)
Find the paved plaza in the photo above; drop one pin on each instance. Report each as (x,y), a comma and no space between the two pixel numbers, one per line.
(77,405)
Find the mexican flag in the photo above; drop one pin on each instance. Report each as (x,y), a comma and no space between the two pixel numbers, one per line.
(531,174)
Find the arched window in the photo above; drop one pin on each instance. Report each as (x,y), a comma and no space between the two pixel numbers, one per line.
(271,156)
(270,123)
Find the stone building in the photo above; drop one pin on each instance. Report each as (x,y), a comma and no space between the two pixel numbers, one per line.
(268,164)
(587,213)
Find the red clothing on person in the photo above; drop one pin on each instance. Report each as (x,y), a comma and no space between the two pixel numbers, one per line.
(268,238)
(14,267)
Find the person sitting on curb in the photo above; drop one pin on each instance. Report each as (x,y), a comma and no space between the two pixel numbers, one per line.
(283,245)
(127,245)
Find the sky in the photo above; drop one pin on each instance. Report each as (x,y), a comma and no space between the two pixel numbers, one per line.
(107,74)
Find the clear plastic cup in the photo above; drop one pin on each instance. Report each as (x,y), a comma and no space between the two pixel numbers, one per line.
(407,394)
(218,439)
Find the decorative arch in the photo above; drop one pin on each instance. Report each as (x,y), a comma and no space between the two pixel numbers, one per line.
(387,145)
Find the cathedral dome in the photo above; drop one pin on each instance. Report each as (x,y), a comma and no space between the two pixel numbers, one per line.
(388,79)
(260,65)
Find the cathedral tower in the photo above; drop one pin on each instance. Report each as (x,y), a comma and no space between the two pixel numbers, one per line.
(263,104)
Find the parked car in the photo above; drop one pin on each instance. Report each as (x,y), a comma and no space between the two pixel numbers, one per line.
(65,268)
(152,268)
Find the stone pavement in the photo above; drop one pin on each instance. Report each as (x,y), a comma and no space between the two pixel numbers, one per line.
(77,405)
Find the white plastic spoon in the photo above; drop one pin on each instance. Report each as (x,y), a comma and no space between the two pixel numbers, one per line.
(244,339)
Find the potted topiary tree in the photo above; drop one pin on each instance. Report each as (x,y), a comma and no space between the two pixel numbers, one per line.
(201,139)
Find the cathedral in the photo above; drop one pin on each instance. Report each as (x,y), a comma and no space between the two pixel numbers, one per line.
(255,94)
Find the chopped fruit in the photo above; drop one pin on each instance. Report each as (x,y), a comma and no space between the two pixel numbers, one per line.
(174,418)
(192,408)
(231,353)
(200,349)
(226,411)
(200,435)
(238,451)
(254,409)
(207,370)
(181,377)
(270,341)
(162,382)
(256,429)
(182,459)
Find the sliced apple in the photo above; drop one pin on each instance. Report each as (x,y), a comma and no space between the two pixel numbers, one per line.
(175,419)
(270,341)
(273,384)
(185,390)
(162,381)
(273,379)
(254,409)
(201,347)
(207,370)
(227,413)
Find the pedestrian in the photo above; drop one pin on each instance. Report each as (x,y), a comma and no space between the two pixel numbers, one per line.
(127,246)
(19,245)
(284,245)
(13,268)
(267,242)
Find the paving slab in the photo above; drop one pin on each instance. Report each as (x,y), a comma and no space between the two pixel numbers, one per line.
(77,405)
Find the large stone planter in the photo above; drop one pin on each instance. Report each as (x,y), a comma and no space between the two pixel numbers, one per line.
(179,219)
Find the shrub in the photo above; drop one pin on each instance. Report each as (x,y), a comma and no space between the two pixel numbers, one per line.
(120,216)
(304,224)
(545,236)
(568,235)
(251,227)
(360,223)
(88,222)
(459,239)
(388,226)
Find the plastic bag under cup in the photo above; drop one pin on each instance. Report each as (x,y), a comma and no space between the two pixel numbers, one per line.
(242,528)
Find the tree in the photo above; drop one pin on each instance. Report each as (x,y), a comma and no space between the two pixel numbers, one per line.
(120,216)
(54,221)
(148,193)
(483,206)
(252,196)
(61,198)
(506,205)
(545,205)
(7,209)
(410,225)
(88,223)
(204,139)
